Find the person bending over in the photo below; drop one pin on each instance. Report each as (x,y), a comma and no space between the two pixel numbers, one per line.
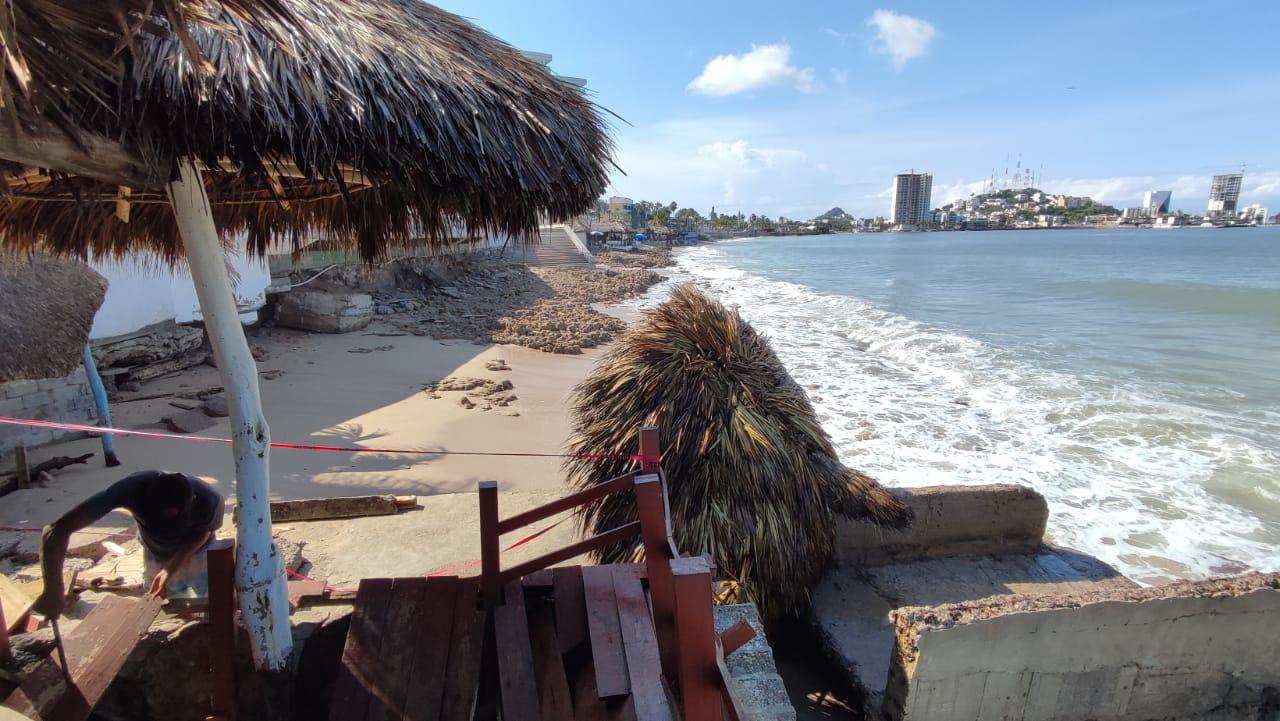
(177,515)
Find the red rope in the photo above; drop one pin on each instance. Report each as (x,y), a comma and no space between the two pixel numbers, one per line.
(84,428)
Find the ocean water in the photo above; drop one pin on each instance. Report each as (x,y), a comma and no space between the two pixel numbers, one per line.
(1131,376)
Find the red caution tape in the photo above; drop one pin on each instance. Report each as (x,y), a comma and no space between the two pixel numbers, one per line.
(84,428)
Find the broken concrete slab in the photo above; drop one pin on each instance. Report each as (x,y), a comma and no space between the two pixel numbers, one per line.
(951,521)
(189,422)
(216,407)
(852,622)
(324,312)
(755,674)
(1192,650)
(852,607)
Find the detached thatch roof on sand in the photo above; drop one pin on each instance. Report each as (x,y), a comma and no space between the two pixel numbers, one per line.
(376,121)
(46,310)
(752,477)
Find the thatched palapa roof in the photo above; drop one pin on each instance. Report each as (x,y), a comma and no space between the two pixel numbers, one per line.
(46,311)
(368,121)
(752,478)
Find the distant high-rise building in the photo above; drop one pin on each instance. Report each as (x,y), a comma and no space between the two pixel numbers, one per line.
(1157,201)
(1224,194)
(912,194)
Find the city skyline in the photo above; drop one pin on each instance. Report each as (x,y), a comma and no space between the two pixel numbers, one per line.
(792,109)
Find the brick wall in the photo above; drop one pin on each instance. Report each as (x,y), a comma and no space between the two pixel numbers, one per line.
(51,399)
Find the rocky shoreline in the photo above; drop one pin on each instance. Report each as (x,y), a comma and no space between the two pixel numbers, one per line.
(547,309)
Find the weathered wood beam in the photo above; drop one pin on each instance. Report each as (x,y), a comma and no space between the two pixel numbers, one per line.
(100,158)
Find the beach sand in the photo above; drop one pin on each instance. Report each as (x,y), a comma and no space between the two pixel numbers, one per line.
(327,395)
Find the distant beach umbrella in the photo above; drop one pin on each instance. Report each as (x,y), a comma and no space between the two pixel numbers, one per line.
(170,126)
(751,475)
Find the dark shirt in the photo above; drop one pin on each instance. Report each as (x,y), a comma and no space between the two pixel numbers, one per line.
(163,537)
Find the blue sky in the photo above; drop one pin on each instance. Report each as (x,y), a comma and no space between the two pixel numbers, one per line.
(793,107)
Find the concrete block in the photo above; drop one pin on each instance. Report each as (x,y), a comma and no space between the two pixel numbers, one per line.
(17,389)
(852,620)
(951,521)
(68,392)
(37,399)
(755,675)
(1183,652)
(324,312)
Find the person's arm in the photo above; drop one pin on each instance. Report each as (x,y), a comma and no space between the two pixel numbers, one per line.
(53,552)
(161,581)
(201,536)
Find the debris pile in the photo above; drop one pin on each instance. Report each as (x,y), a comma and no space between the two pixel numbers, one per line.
(547,309)
(644,258)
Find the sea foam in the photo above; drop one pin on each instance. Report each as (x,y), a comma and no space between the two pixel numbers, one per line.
(1128,473)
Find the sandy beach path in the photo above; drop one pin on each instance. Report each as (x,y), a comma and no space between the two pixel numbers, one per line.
(329,395)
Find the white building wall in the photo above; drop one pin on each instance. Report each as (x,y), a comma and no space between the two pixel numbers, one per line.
(142,292)
(137,296)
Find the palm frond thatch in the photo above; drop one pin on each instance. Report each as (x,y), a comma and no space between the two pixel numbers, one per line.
(374,121)
(47,307)
(751,476)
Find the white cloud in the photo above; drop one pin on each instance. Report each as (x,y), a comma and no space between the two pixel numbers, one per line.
(838,35)
(839,77)
(762,66)
(901,37)
(748,158)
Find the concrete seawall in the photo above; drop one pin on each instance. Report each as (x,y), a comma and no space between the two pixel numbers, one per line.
(969,615)
(1191,650)
(951,521)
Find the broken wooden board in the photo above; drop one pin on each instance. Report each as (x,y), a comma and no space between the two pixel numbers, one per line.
(318,509)
(17,598)
(96,650)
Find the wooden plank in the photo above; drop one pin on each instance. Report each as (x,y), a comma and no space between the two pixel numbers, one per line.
(15,603)
(490,565)
(548,664)
(465,652)
(317,509)
(515,658)
(600,540)
(431,632)
(538,579)
(300,588)
(571,608)
(650,450)
(736,636)
(695,625)
(395,655)
(640,643)
(573,500)
(656,534)
(24,468)
(364,638)
(734,709)
(96,649)
(605,631)
(222,629)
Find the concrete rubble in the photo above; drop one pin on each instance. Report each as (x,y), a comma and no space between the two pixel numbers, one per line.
(548,309)
(755,675)
(324,311)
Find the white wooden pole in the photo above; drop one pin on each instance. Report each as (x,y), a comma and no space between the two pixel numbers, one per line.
(260,582)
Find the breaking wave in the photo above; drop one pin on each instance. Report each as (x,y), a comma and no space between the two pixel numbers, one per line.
(1132,475)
